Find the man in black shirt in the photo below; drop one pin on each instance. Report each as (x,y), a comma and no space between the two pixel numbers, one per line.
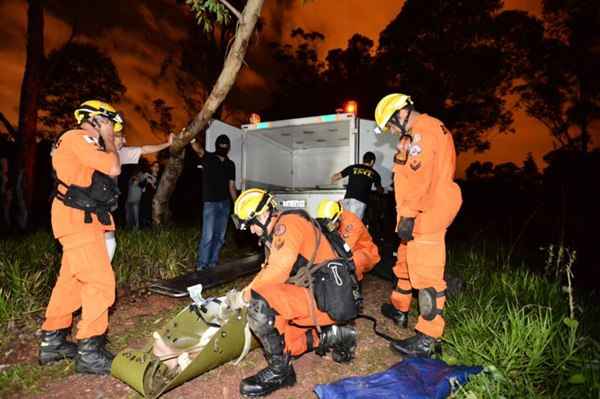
(218,184)
(360,179)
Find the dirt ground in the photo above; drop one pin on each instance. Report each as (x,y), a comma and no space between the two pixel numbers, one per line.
(136,316)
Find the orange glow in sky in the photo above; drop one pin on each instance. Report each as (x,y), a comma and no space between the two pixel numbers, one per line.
(138,61)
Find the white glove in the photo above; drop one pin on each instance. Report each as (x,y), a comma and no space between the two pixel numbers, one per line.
(235,299)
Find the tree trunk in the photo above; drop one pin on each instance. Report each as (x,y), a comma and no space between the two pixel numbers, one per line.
(233,63)
(28,105)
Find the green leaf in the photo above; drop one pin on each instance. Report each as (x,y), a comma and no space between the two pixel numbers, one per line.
(451,360)
(571,323)
(577,379)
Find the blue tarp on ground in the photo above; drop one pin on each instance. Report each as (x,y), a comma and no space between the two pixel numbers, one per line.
(416,378)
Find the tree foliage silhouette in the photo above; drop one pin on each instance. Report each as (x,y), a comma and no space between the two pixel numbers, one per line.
(561,84)
(79,72)
(457,61)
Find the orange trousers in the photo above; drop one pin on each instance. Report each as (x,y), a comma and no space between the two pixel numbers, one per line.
(420,264)
(86,280)
(293,319)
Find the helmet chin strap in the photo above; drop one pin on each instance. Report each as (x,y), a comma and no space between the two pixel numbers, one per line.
(404,123)
(265,237)
(405,137)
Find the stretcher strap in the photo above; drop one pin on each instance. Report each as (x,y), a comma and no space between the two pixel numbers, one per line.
(247,344)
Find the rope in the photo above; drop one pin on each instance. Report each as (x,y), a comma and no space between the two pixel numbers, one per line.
(374,321)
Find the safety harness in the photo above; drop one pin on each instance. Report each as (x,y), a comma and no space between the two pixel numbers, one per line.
(332,284)
(305,276)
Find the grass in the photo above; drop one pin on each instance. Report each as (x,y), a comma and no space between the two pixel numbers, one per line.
(518,325)
(28,270)
(27,377)
(144,255)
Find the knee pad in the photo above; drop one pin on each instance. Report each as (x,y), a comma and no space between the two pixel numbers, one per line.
(341,340)
(428,302)
(348,338)
(343,351)
(261,317)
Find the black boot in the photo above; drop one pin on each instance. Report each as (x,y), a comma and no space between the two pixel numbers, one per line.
(54,346)
(340,339)
(92,356)
(278,374)
(400,318)
(420,345)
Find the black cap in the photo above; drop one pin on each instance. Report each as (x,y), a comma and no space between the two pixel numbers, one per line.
(223,141)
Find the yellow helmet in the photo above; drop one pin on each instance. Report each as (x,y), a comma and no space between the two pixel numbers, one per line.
(386,108)
(329,212)
(329,209)
(250,204)
(95,107)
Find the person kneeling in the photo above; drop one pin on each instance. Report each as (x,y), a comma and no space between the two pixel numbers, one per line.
(289,310)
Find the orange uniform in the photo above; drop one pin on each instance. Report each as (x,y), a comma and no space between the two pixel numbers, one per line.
(86,278)
(364,251)
(425,190)
(293,244)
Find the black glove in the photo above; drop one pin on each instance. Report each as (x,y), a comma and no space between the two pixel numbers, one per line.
(405,228)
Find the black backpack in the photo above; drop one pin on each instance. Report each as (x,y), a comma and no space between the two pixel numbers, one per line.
(101,195)
(333,282)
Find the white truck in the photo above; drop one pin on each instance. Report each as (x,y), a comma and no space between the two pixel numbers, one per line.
(295,158)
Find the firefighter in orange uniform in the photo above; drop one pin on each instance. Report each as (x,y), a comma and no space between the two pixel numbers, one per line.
(283,316)
(427,200)
(365,253)
(86,279)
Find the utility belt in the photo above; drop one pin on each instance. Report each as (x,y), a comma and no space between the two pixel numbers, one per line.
(98,198)
(332,283)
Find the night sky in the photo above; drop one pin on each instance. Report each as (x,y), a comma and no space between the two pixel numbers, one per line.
(138,40)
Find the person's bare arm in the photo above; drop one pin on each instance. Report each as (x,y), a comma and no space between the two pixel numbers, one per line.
(336,177)
(198,148)
(152,148)
(232,190)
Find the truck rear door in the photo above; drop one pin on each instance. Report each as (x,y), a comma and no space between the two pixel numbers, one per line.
(382,145)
